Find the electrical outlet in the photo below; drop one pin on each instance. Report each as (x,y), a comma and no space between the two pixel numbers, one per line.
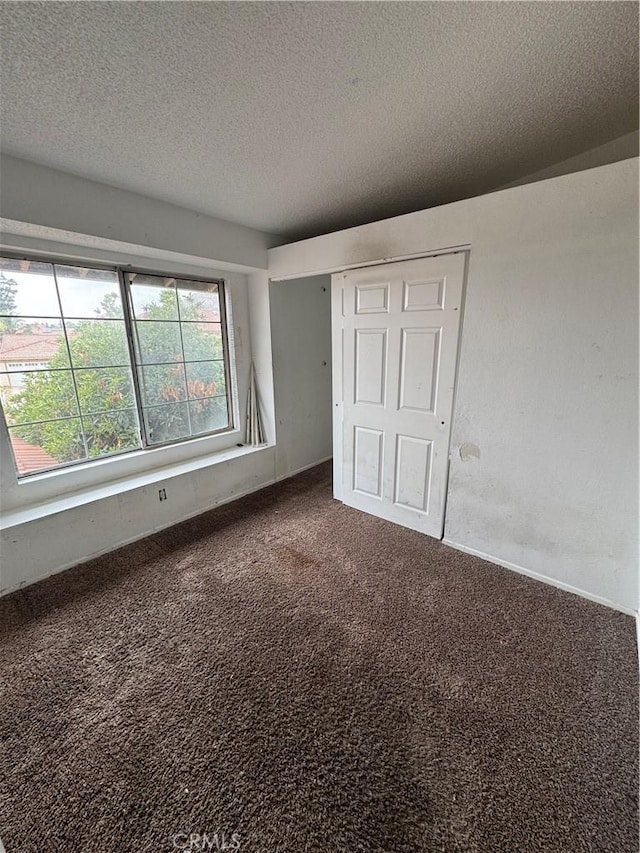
(162,494)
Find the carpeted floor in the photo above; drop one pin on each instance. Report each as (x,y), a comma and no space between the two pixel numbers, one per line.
(310,678)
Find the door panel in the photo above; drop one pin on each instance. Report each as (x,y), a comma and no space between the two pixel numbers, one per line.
(370,366)
(396,332)
(367,465)
(372,298)
(419,356)
(413,473)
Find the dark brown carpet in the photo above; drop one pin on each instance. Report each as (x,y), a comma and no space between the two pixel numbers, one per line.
(312,679)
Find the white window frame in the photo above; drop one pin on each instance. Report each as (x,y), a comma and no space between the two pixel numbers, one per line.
(130,325)
(41,494)
(122,271)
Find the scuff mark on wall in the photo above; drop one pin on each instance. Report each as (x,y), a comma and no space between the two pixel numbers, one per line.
(366,251)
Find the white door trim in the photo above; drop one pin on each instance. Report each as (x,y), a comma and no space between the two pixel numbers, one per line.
(337,366)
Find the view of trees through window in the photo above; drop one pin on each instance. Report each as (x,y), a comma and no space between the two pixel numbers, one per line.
(180,353)
(66,375)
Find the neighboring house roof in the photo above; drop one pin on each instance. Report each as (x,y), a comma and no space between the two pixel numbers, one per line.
(30,458)
(26,347)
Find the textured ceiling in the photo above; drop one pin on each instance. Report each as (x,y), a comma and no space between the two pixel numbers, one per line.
(300,118)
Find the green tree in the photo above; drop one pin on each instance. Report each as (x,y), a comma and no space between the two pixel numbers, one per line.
(100,357)
(8,290)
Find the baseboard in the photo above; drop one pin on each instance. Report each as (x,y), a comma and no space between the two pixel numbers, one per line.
(543,578)
(304,468)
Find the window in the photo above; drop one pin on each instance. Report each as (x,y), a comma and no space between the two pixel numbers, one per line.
(180,356)
(96,362)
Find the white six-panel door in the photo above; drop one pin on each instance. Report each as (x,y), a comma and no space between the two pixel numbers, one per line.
(395,347)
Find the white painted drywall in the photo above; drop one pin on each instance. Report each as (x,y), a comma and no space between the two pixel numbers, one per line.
(260,330)
(41,196)
(301,346)
(548,384)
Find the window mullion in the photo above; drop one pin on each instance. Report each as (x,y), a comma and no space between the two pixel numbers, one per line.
(73,375)
(128,325)
(184,369)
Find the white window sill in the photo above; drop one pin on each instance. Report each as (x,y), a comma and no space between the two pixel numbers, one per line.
(16,517)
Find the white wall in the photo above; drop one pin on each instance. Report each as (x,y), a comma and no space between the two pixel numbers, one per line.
(548,387)
(40,196)
(301,346)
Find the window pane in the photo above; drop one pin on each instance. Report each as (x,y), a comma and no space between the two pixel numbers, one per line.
(167,423)
(97,343)
(158,342)
(179,362)
(35,341)
(153,297)
(41,395)
(104,389)
(163,384)
(198,301)
(112,432)
(209,415)
(88,293)
(44,446)
(202,341)
(205,379)
(27,288)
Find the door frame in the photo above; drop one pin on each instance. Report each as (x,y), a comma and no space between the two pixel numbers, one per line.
(337,359)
